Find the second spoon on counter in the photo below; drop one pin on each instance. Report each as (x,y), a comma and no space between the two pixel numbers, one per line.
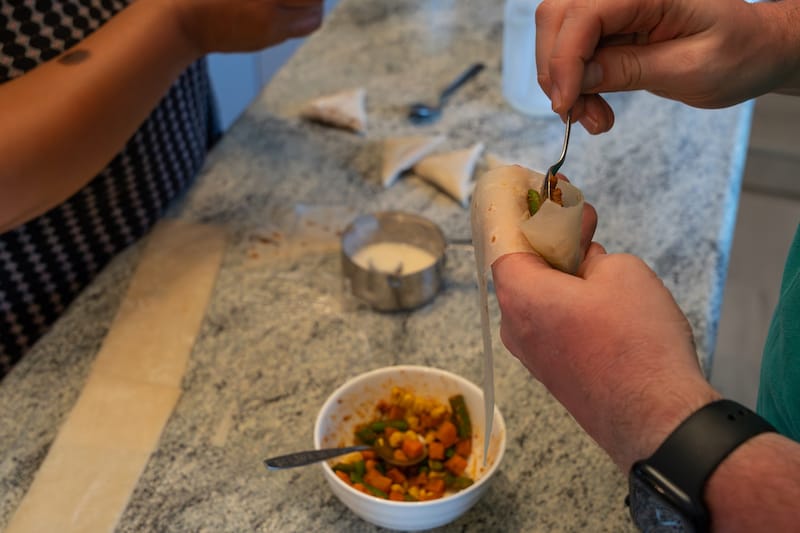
(421,113)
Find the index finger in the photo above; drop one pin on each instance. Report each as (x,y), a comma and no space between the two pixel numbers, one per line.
(581,24)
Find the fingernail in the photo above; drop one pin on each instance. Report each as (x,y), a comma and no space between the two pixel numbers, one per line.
(555,96)
(592,76)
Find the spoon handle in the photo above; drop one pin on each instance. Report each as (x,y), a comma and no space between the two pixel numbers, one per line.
(308,457)
(460,80)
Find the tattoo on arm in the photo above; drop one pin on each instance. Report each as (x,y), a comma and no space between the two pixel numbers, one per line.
(73,57)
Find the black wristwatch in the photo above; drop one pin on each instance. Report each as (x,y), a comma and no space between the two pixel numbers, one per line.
(666,490)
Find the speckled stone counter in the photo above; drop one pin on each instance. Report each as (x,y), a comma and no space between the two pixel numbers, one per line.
(279,334)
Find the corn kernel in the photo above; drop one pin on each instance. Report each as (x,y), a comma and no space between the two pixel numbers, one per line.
(430,437)
(419,405)
(396,439)
(414,491)
(396,488)
(351,458)
(407,401)
(438,411)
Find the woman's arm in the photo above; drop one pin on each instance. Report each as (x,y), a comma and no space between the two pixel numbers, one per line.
(66,119)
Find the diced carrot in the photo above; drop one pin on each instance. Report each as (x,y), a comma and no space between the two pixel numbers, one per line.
(396,413)
(360,486)
(420,480)
(370,464)
(396,475)
(436,451)
(447,433)
(435,485)
(426,421)
(396,496)
(378,480)
(400,455)
(343,476)
(368,454)
(389,430)
(463,447)
(412,448)
(456,464)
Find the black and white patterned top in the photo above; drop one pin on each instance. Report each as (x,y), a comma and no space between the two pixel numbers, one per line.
(46,262)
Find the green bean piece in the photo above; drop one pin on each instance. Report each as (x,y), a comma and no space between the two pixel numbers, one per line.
(457,482)
(343,467)
(357,474)
(366,435)
(409,498)
(534,201)
(450,452)
(378,426)
(376,491)
(402,425)
(461,416)
(462,482)
(436,466)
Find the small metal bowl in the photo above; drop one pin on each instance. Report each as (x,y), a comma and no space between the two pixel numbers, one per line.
(389,291)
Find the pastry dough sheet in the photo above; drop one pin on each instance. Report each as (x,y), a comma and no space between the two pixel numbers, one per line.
(106,440)
(501,224)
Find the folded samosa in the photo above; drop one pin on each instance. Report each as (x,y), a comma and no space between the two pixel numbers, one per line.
(508,216)
(344,109)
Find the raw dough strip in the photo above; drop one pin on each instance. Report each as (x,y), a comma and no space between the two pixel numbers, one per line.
(93,466)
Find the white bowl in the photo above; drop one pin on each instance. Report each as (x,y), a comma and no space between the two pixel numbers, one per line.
(354,403)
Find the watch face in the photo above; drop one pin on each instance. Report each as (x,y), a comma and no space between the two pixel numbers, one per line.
(652,513)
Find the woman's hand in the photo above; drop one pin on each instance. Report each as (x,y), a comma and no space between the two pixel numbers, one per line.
(610,344)
(705,53)
(245,25)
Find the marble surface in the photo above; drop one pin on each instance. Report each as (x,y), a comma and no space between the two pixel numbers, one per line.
(280,334)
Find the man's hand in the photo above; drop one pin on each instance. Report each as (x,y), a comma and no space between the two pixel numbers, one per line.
(610,344)
(245,25)
(705,53)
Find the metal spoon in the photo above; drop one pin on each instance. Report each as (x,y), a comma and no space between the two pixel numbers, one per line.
(314,456)
(421,113)
(551,181)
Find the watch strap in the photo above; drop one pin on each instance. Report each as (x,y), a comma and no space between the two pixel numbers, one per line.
(700,443)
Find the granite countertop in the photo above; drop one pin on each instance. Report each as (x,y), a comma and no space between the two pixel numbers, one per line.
(279,335)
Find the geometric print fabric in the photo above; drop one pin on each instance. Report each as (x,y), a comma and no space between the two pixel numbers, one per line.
(47,261)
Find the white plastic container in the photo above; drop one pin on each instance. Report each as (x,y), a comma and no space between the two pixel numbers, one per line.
(520,86)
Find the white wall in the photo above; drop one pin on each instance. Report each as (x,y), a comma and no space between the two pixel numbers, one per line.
(238,78)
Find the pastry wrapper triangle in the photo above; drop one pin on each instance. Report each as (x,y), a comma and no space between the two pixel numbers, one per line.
(344,109)
(502,223)
(401,153)
(452,171)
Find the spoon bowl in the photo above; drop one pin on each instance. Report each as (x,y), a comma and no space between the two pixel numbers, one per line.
(421,113)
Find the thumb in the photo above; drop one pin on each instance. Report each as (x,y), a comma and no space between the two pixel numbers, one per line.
(519,274)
